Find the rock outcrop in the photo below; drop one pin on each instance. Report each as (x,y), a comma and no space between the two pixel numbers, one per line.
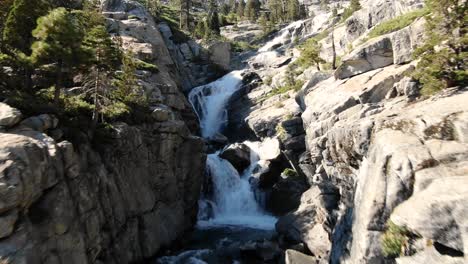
(118,199)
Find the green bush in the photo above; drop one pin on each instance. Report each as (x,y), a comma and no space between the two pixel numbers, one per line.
(397,23)
(289,173)
(142,65)
(240,46)
(394,240)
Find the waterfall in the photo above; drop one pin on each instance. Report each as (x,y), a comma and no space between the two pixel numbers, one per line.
(209,102)
(231,201)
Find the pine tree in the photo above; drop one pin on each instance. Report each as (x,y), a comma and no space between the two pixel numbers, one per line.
(310,52)
(184,20)
(240,9)
(200,29)
(4,9)
(104,59)
(292,10)
(355,5)
(444,54)
(127,85)
(59,36)
(21,21)
(232,6)
(252,9)
(276,10)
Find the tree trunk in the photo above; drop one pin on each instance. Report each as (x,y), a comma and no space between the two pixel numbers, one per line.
(318,66)
(333,48)
(58,82)
(96,110)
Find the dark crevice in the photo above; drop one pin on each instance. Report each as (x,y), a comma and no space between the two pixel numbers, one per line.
(444,250)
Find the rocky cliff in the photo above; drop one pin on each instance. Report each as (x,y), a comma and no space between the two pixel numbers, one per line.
(118,199)
(383,164)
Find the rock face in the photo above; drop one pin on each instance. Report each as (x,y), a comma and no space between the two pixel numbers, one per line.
(119,199)
(238,155)
(376,54)
(407,162)
(220,54)
(8,116)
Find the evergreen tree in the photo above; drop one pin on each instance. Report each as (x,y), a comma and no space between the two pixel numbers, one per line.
(232,6)
(240,9)
(127,85)
(200,29)
(252,9)
(310,53)
(444,54)
(104,60)
(184,20)
(4,9)
(355,5)
(213,23)
(21,21)
(59,36)
(276,10)
(293,10)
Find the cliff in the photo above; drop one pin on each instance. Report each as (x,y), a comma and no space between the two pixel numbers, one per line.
(383,164)
(118,199)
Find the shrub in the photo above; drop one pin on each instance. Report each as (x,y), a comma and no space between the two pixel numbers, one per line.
(142,65)
(397,23)
(394,240)
(240,46)
(443,57)
(288,172)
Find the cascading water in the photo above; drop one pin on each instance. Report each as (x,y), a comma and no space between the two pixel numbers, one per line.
(209,102)
(233,200)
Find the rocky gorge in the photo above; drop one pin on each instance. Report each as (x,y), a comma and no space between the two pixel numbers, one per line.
(229,171)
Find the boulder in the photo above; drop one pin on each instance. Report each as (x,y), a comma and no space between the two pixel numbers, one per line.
(238,155)
(296,257)
(285,195)
(309,223)
(161,113)
(40,123)
(220,54)
(9,116)
(372,55)
(444,201)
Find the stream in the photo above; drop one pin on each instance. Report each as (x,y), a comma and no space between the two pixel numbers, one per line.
(231,218)
(229,214)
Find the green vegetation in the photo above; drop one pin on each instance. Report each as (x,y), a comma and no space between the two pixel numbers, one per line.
(397,23)
(310,54)
(349,11)
(394,240)
(240,46)
(444,56)
(288,172)
(145,66)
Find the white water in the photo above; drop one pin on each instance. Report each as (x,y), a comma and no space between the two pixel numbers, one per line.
(209,102)
(233,202)
(233,198)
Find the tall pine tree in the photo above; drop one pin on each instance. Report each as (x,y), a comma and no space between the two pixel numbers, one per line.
(59,36)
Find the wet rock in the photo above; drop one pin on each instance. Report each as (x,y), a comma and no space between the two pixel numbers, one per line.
(238,155)
(264,251)
(286,194)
